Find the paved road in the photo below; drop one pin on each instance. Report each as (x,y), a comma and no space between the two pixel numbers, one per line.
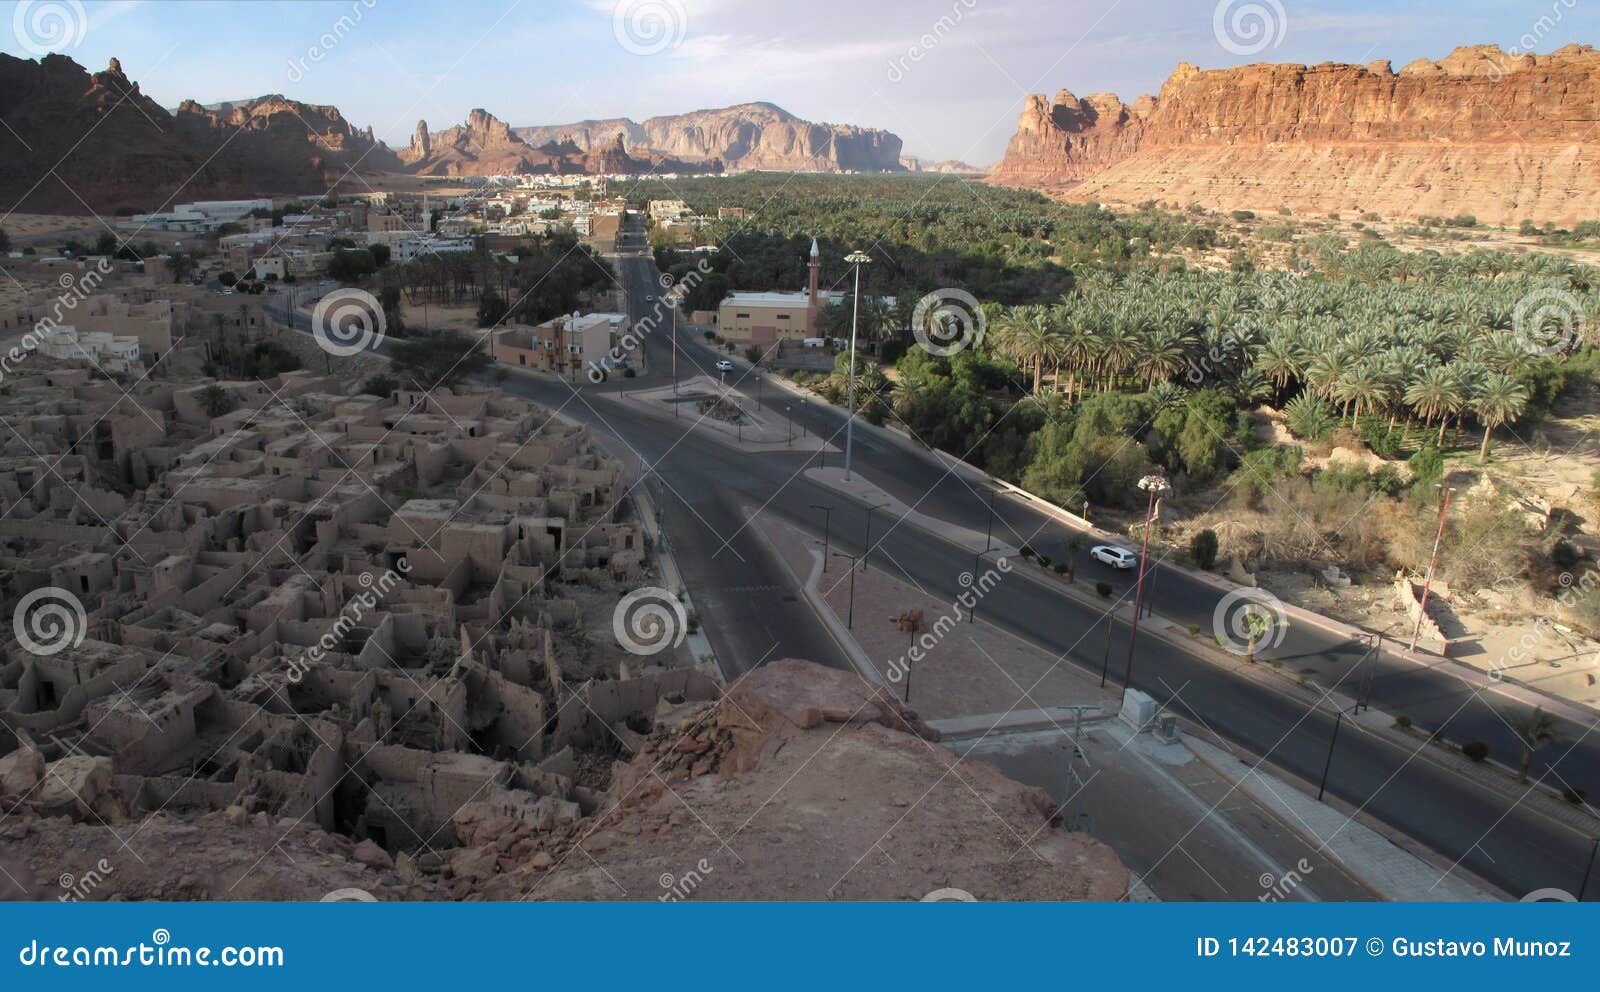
(752,613)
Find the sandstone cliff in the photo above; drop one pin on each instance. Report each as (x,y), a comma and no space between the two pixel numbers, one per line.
(486,146)
(1504,137)
(743,137)
(80,141)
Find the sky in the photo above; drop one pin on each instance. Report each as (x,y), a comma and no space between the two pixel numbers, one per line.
(948,76)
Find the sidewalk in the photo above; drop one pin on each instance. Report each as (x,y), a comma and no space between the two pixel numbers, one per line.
(959,670)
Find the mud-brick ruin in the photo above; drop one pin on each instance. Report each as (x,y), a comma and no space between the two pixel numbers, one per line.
(304,603)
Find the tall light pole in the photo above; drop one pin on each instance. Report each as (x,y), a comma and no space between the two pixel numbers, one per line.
(1155,485)
(827,521)
(850,621)
(867,546)
(1427,583)
(857,259)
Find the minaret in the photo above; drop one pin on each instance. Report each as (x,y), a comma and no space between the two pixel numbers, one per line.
(813,298)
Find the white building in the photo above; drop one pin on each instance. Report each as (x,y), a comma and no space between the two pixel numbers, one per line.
(110,352)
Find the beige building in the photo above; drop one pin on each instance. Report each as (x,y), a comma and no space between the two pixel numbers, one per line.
(565,345)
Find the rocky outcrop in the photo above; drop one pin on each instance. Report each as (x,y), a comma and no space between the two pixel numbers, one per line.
(487,146)
(79,141)
(805,771)
(1504,137)
(947,167)
(743,137)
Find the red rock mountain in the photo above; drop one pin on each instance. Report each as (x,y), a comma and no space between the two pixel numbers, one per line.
(486,146)
(77,141)
(1500,136)
(743,137)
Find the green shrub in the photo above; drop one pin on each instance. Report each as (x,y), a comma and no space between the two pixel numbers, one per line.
(1476,750)
(1403,722)
(1203,549)
(1103,588)
(1427,466)
(1565,554)
(1309,418)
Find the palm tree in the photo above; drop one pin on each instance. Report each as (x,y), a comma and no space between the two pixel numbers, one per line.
(1074,546)
(216,401)
(1029,337)
(1435,392)
(1533,730)
(1497,399)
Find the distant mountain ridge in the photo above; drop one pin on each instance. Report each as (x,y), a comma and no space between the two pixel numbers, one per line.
(743,137)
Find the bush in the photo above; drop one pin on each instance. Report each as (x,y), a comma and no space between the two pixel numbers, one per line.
(1309,418)
(1427,466)
(752,355)
(1103,588)
(1402,722)
(1203,549)
(1476,750)
(380,385)
(1574,795)
(1565,554)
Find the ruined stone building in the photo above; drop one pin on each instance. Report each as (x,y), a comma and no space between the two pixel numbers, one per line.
(320,604)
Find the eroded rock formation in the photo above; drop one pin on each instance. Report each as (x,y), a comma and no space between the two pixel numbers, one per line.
(1504,137)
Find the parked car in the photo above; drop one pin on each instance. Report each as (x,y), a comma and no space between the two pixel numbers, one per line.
(1116,557)
(723,365)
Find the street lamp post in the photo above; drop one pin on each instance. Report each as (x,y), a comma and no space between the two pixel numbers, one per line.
(976,560)
(857,259)
(1427,583)
(988,537)
(867,547)
(1337,723)
(827,523)
(788,411)
(850,620)
(1154,485)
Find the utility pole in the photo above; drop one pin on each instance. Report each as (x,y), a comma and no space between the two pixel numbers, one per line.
(1427,584)
(849,623)
(867,546)
(976,559)
(988,537)
(857,259)
(827,518)
(1337,723)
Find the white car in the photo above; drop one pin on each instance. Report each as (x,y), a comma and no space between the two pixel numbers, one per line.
(723,365)
(1116,557)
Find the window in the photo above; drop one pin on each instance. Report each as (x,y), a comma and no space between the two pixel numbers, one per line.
(742,316)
